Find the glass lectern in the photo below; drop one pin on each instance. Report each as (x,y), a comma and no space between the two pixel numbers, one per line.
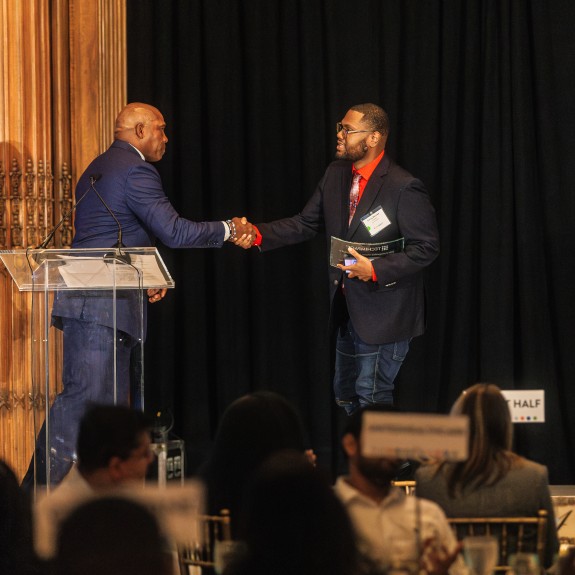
(98,297)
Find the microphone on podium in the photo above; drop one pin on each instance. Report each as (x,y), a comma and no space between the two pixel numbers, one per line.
(118,254)
(49,237)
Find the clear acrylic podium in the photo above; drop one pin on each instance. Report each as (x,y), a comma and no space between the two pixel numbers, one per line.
(99,287)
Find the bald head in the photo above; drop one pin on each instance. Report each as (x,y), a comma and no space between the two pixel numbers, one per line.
(132,115)
(143,126)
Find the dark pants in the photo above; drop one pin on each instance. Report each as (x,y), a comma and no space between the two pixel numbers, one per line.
(365,373)
(87,377)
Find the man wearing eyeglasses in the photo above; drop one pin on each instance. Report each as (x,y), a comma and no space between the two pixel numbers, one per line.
(114,447)
(377,302)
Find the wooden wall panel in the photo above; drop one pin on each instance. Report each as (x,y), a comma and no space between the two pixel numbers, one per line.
(62,83)
(98,92)
(61,148)
(25,174)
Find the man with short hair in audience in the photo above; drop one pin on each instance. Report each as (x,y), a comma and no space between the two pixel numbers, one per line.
(397,530)
(114,449)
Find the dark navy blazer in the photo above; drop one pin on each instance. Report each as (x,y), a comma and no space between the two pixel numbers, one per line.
(393,308)
(132,189)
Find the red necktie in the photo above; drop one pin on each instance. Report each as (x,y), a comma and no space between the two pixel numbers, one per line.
(354,195)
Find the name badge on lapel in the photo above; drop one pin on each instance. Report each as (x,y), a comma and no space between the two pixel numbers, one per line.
(375,221)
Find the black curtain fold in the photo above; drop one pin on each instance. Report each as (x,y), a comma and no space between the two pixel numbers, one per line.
(479,96)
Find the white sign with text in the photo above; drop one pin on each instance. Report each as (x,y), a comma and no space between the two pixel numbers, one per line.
(526,405)
(415,435)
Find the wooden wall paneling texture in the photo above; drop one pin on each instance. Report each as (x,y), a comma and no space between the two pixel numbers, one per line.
(60,50)
(25,138)
(63,78)
(98,91)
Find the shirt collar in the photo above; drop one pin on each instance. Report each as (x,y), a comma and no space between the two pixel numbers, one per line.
(368,169)
(348,493)
(142,155)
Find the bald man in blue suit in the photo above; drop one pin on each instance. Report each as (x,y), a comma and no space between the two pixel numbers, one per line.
(130,186)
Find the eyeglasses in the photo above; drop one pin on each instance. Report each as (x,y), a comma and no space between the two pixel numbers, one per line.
(339,127)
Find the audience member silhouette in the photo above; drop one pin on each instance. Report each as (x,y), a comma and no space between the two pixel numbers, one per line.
(493,481)
(16,546)
(252,428)
(111,536)
(292,523)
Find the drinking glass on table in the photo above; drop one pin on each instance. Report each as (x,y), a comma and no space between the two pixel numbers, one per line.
(403,555)
(223,551)
(481,553)
(525,564)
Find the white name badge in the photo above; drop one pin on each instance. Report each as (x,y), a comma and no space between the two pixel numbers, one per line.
(375,221)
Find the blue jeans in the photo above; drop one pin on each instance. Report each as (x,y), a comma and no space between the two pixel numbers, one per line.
(364,373)
(87,377)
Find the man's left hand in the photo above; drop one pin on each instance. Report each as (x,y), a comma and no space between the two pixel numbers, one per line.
(436,559)
(155,294)
(361,269)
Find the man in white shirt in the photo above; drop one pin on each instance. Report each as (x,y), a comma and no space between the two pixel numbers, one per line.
(114,450)
(398,531)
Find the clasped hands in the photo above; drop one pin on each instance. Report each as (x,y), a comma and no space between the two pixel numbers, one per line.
(245,234)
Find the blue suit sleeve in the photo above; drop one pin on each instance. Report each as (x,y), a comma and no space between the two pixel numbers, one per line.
(146,198)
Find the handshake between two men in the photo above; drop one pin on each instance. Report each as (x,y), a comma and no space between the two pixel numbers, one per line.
(244,235)
(242,232)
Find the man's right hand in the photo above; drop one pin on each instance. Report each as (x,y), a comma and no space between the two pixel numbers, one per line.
(245,234)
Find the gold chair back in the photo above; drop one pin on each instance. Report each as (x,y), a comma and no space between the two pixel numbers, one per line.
(200,557)
(515,534)
(407,486)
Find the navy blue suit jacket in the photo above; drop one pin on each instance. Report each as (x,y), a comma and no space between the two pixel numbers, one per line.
(132,189)
(393,308)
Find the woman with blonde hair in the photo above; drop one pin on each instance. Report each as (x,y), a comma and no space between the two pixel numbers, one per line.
(494,481)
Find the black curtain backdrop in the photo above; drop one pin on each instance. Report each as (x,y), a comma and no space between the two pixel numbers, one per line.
(479,95)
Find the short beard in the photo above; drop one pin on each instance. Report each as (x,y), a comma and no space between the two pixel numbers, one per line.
(379,472)
(354,153)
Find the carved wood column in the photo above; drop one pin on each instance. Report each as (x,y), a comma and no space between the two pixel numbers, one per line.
(63,79)
(97,76)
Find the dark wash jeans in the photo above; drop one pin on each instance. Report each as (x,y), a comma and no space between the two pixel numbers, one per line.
(88,378)
(364,373)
